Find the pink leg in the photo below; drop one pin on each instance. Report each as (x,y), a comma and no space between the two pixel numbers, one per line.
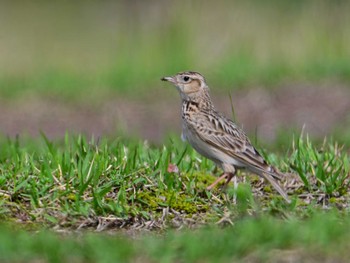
(218,181)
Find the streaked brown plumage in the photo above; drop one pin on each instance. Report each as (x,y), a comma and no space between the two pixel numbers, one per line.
(215,136)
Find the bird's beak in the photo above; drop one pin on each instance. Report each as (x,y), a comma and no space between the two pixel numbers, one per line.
(170,79)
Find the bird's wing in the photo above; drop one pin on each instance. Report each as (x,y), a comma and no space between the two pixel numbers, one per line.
(226,136)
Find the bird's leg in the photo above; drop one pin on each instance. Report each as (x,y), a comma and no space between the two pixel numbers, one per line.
(229,177)
(218,181)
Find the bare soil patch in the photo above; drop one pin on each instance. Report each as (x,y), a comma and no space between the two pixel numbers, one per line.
(320,108)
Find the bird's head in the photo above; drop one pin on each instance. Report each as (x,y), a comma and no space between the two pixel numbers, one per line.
(190,84)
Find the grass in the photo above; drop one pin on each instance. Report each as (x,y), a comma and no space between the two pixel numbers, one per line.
(323,237)
(54,191)
(70,182)
(88,51)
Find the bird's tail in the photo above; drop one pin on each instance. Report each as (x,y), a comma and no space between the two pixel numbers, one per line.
(272,181)
(274,173)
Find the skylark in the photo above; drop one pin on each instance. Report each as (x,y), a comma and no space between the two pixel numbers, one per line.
(215,136)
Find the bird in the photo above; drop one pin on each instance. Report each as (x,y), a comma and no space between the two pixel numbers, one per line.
(216,137)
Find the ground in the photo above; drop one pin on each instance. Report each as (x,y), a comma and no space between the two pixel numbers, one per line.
(320,108)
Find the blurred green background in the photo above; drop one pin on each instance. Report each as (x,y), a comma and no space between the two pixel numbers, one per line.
(66,65)
(94,67)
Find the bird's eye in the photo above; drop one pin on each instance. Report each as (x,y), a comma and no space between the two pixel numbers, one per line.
(186,78)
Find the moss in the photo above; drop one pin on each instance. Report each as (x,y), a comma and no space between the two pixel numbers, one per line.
(151,201)
(333,200)
(182,203)
(254,179)
(179,202)
(343,191)
(5,197)
(301,203)
(203,180)
(267,189)
(71,197)
(298,191)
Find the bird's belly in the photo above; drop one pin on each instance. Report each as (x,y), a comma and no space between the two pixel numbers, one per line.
(211,152)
